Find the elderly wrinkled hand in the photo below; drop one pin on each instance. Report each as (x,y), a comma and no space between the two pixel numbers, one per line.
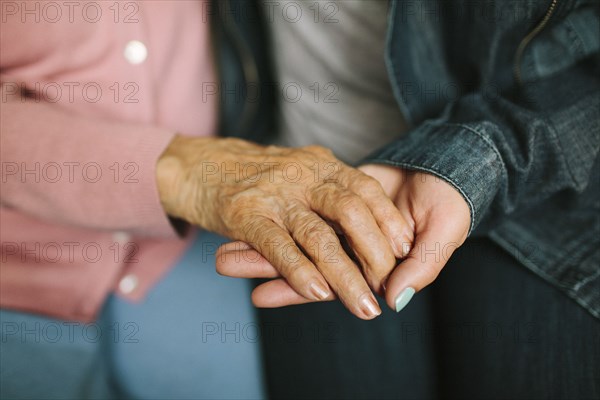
(437,214)
(286,204)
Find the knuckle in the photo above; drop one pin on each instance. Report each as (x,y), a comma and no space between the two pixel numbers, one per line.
(236,217)
(292,271)
(297,271)
(320,150)
(370,186)
(376,278)
(316,233)
(382,261)
(249,227)
(379,265)
(350,206)
(348,281)
(273,149)
(430,273)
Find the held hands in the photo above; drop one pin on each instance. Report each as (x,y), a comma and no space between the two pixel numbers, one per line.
(438,218)
(283,206)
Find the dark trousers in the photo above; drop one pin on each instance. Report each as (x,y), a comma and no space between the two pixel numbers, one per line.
(487,328)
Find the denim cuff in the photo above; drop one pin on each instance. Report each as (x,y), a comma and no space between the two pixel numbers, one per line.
(460,154)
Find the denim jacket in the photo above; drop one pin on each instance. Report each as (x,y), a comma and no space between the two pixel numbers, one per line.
(503,99)
(504,102)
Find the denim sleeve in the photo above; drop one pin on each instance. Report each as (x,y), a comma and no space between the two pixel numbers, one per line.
(504,153)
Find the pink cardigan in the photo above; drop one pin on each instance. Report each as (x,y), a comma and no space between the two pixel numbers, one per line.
(106,85)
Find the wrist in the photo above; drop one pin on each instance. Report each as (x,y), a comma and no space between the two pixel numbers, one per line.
(166,175)
(182,187)
(169,168)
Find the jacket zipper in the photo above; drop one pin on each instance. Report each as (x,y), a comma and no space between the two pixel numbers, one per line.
(530,36)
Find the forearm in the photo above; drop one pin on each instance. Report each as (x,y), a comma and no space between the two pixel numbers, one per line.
(71,169)
(503,155)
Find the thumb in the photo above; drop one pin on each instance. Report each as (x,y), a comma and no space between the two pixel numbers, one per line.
(431,250)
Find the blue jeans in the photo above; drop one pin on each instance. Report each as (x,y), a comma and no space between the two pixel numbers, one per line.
(194,336)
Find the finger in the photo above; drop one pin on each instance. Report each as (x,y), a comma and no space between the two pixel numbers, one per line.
(351,214)
(245,263)
(236,245)
(432,249)
(278,293)
(396,228)
(276,245)
(320,243)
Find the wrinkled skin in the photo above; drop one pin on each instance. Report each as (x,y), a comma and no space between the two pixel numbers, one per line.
(283,206)
(436,213)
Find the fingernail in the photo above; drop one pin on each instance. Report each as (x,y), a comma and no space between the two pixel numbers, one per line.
(318,291)
(369,305)
(403,298)
(405,248)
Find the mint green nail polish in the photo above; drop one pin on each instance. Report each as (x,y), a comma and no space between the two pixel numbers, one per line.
(403,298)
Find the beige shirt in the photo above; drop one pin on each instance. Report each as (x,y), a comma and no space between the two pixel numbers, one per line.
(333,84)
